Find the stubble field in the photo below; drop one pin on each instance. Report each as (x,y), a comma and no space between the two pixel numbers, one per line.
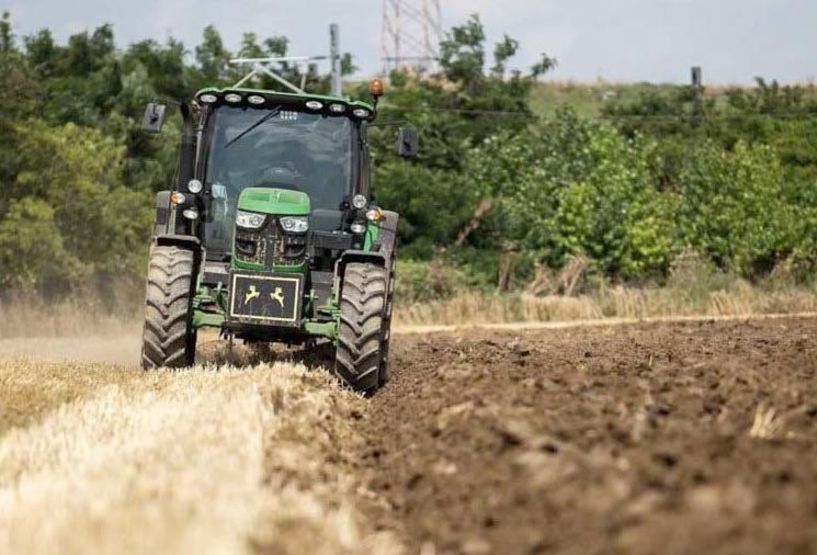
(698,436)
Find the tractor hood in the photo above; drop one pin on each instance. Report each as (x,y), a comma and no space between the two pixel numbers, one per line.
(278,202)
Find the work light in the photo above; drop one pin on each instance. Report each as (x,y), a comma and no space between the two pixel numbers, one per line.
(232,98)
(314,105)
(337,108)
(208,98)
(256,99)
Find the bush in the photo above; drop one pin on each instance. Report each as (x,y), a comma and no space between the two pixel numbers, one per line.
(737,208)
(577,187)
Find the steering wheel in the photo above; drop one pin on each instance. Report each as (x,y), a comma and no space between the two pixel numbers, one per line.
(279,172)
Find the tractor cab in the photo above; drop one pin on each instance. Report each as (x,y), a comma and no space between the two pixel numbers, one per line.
(311,145)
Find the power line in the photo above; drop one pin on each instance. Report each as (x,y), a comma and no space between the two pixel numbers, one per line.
(607,117)
(462,111)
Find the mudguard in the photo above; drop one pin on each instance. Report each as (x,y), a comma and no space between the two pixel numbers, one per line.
(162,222)
(377,258)
(387,237)
(183,241)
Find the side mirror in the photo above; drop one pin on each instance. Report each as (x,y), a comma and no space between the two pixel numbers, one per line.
(408,144)
(154,118)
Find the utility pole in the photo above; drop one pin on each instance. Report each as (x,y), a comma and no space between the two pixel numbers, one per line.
(698,87)
(697,76)
(334,54)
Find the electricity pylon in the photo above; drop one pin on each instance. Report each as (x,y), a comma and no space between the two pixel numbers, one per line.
(411,34)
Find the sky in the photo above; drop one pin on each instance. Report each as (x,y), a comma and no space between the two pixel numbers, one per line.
(615,40)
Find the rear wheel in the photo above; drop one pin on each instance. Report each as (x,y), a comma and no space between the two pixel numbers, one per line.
(361,332)
(168,339)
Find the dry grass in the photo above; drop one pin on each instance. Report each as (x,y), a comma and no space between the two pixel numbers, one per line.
(466,308)
(113,460)
(766,424)
(620,302)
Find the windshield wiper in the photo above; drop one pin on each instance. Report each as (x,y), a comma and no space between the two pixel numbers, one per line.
(261,121)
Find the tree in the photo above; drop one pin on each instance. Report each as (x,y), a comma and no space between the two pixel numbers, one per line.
(31,249)
(6,34)
(211,55)
(42,51)
(462,54)
(79,58)
(503,51)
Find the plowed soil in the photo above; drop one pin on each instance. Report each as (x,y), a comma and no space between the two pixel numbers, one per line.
(690,438)
(684,437)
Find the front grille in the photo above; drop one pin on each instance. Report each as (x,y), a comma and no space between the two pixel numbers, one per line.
(270,245)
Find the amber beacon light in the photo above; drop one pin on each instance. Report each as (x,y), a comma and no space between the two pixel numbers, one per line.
(376,89)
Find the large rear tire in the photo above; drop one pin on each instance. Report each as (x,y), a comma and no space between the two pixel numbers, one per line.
(168,339)
(361,332)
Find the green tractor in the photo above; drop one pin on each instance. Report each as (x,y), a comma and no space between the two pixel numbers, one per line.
(272,233)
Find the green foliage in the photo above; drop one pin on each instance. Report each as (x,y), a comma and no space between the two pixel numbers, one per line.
(31,248)
(69,182)
(738,207)
(416,192)
(6,36)
(496,190)
(578,187)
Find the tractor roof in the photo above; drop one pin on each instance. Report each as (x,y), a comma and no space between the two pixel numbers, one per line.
(219,96)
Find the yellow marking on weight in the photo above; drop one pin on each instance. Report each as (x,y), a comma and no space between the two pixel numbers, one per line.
(253,294)
(278,296)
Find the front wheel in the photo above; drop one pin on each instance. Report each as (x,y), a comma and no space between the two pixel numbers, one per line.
(168,339)
(360,347)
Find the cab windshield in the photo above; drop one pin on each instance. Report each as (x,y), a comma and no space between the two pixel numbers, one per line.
(311,153)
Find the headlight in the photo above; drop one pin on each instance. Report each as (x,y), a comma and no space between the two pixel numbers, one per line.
(359,202)
(195,186)
(191,214)
(295,224)
(250,220)
(358,228)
